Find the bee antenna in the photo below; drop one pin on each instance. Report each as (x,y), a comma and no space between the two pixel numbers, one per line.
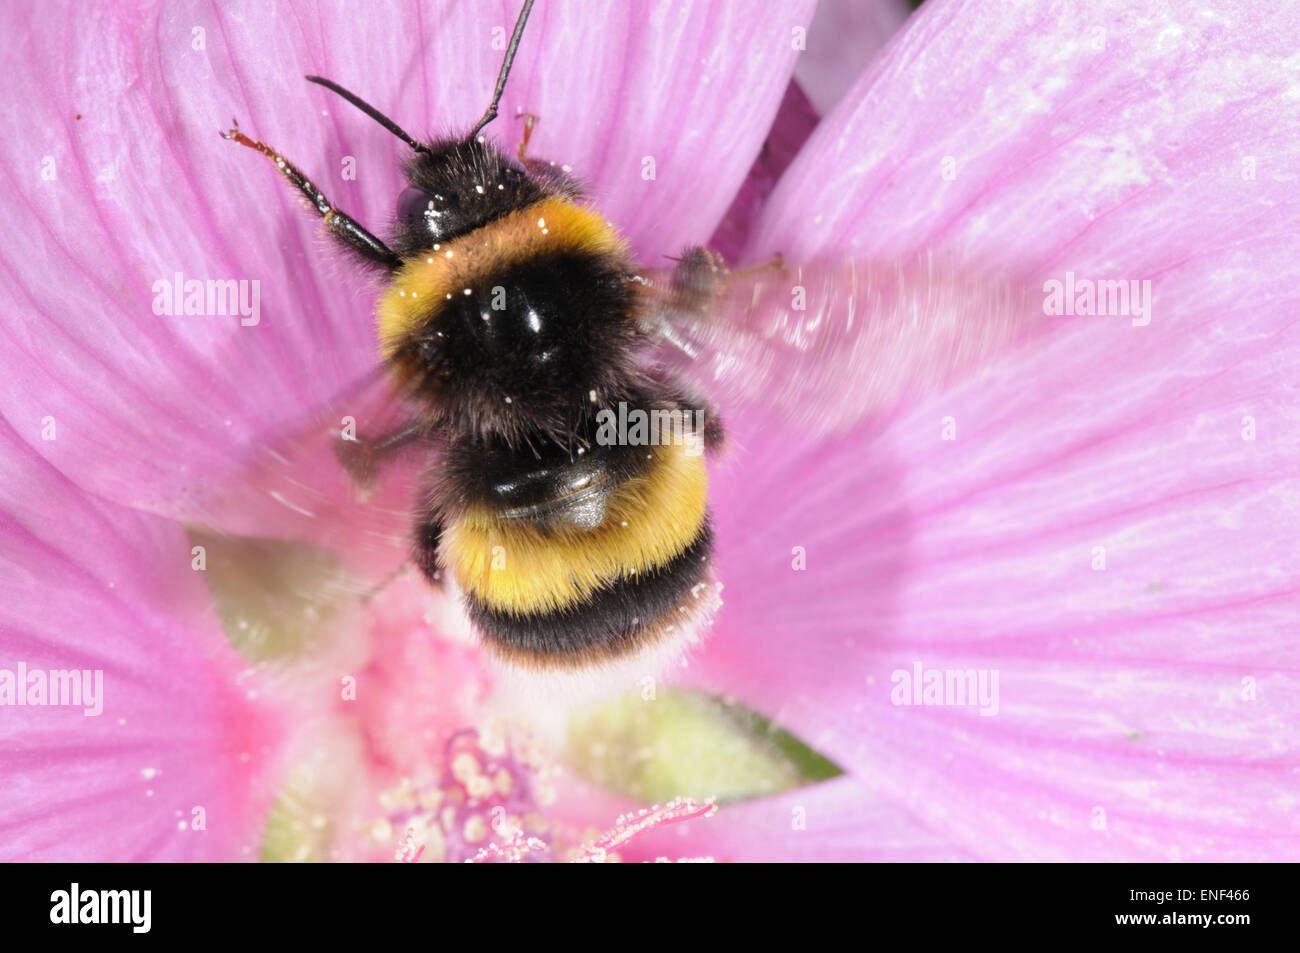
(515,37)
(369,110)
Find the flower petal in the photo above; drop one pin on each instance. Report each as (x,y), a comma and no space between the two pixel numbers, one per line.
(173,766)
(794,123)
(1106,520)
(1161,688)
(124,185)
(835,821)
(1168,124)
(844,37)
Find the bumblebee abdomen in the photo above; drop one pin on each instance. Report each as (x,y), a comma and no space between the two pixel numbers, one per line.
(627,614)
(587,562)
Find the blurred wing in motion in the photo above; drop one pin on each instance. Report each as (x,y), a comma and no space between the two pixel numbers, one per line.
(348,481)
(826,344)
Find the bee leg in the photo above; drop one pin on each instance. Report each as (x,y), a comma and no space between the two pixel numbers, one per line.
(530,121)
(698,280)
(701,276)
(534,166)
(424,548)
(344,228)
(387,581)
(363,459)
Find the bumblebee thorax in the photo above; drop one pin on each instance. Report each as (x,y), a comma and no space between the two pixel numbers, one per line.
(513,324)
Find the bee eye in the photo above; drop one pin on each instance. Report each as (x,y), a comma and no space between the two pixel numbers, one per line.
(419,209)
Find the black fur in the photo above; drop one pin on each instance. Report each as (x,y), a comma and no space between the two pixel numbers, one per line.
(555,490)
(444,201)
(552,482)
(565,328)
(424,548)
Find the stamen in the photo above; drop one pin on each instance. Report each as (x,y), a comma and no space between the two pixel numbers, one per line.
(487,795)
(629,826)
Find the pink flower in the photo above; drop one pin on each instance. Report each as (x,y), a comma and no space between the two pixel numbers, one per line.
(1101,521)
(168,751)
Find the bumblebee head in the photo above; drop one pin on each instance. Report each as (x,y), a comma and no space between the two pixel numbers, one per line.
(458,186)
(509,310)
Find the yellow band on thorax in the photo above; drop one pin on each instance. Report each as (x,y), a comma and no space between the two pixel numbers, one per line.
(424,283)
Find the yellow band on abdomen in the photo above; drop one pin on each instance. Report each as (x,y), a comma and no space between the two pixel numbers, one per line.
(512,565)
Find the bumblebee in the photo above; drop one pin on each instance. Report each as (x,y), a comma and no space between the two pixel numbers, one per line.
(515,322)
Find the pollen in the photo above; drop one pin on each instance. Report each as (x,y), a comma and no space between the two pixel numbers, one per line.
(449,254)
(489,793)
(465,766)
(469,291)
(503,782)
(476,830)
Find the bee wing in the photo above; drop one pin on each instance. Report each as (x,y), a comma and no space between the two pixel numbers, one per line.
(825,344)
(331,481)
